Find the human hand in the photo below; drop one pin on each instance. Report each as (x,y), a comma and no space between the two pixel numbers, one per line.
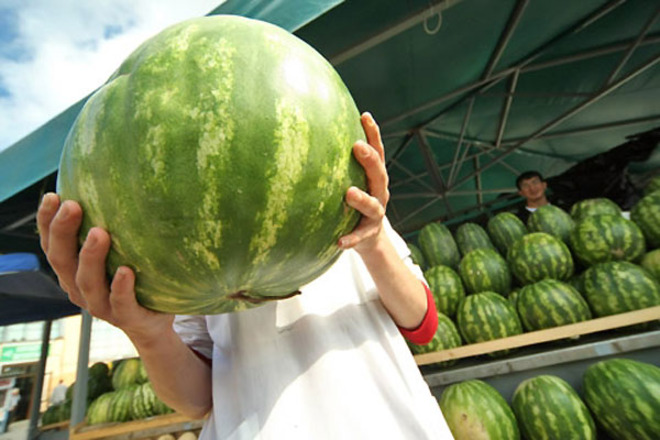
(372,205)
(82,274)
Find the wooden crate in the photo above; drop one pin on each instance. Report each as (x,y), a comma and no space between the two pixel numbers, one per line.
(52,426)
(541,336)
(137,429)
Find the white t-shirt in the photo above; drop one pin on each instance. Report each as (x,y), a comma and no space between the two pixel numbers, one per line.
(326,364)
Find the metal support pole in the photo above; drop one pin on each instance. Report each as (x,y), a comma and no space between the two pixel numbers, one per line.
(567,115)
(37,390)
(80,390)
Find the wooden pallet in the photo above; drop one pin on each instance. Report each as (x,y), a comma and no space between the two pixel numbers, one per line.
(137,429)
(540,336)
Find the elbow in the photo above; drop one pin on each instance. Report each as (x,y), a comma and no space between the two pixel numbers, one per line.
(195,412)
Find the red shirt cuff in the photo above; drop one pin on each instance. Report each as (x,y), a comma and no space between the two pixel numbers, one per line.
(424,333)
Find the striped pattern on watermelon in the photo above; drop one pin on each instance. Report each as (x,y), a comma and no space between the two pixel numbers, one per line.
(651,263)
(551,303)
(485,270)
(486,316)
(504,229)
(470,236)
(231,139)
(417,256)
(601,238)
(438,245)
(128,373)
(119,409)
(624,396)
(537,256)
(646,214)
(99,410)
(618,287)
(597,206)
(552,220)
(475,410)
(447,288)
(547,407)
(446,336)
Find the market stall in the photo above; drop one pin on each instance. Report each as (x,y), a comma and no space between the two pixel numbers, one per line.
(468,96)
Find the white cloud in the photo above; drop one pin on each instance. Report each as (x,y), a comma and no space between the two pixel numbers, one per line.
(55,52)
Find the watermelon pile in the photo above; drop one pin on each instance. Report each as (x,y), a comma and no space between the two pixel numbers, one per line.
(131,398)
(117,394)
(560,268)
(619,400)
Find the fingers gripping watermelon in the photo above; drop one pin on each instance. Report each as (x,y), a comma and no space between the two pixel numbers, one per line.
(217,156)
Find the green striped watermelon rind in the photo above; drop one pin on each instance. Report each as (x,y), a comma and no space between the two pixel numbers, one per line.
(537,256)
(446,336)
(484,270)
(474,409)
(646,215)
(618,287)
(546,406)
(438,245)
(232,140)
(651,263)
(623,396)
(551,303)
(504,229)
(446,287)
(552,220)
(487,316)
(595,206)
(602,238)
(470,236)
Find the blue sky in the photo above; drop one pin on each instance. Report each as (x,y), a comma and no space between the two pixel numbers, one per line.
(55,52)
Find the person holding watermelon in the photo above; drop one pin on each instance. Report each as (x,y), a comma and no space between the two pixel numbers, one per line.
(329,363)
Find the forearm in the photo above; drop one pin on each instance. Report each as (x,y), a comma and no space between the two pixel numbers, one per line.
(401,292)
(179,377)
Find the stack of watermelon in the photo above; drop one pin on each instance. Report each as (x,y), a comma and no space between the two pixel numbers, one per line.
(620,400)
(132,396)
(98,382)
(558,269)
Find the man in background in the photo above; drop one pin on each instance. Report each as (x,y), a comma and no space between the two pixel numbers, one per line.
(59,393)
(532,186)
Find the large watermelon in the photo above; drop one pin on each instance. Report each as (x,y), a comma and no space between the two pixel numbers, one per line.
(646,214)
(438,245)
(552,220)
(504,229)
(618,287)
(447,288)
(651,262)
(471,236)
(218,157)
(446,336)
(486,316)
(624,396)
(475,410)
(600,238)
(598,206)
(537,256)
(547,407)
(550,303)
(485,270)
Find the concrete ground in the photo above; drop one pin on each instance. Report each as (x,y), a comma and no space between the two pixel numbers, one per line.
(16,431)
